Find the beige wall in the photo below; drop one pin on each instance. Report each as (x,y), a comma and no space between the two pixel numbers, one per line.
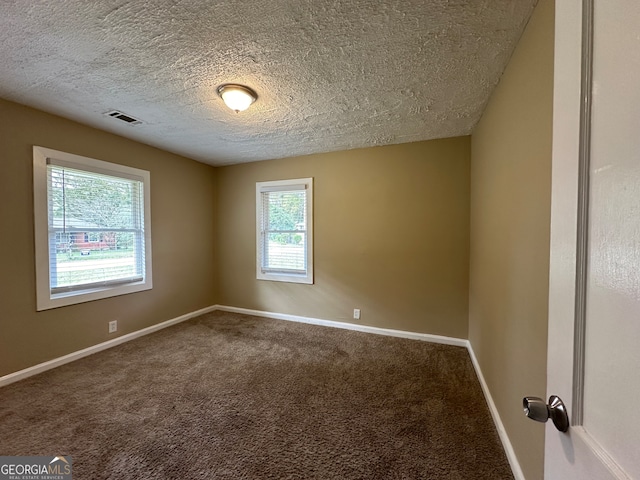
(391,233)
(391,238)
(510,215)
(411,234)
(182,222)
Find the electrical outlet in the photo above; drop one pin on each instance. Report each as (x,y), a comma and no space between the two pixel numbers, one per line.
(113,326)
(356,313)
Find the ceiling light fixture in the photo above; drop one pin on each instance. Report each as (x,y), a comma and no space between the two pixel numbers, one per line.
(237,97)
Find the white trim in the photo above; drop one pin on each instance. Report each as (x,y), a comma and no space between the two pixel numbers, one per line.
(458,342)
(45,299)
(301,184)
(56,362)
(502,432)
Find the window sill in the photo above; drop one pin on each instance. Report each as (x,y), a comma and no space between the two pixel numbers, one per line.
(289,278)
(47,302)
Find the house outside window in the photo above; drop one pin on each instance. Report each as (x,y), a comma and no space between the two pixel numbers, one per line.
(284,227)
(92,229)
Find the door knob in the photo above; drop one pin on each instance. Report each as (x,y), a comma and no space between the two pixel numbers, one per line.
(536,409)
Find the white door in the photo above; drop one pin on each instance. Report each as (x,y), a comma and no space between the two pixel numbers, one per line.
(594,358)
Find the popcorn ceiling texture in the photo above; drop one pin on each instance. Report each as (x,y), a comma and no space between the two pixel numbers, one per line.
(330,75)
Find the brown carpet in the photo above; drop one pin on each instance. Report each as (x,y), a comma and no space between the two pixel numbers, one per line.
(227,396)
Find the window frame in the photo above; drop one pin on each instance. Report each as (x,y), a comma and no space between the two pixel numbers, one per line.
(45,299)
(284,276)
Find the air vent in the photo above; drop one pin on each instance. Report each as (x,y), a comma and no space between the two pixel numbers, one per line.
(123,117)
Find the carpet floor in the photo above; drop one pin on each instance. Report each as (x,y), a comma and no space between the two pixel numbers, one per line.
(228,396)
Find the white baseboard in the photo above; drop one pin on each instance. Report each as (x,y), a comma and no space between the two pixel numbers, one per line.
(506,443)
(459,342)
(56,362)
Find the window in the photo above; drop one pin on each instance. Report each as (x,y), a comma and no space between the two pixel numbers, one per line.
(284,226)
(92,229)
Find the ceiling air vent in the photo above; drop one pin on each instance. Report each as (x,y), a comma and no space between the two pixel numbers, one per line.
(123,117)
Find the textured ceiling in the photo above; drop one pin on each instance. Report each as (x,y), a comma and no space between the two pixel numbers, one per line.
(330,74)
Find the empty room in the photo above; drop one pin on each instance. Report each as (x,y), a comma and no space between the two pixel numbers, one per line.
(319,239)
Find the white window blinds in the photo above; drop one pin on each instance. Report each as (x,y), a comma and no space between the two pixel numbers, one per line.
(96,228)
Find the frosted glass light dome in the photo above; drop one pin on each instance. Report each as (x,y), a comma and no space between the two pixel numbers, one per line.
(237,97)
